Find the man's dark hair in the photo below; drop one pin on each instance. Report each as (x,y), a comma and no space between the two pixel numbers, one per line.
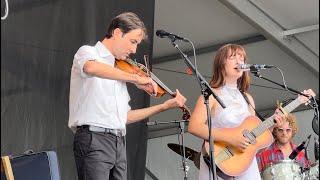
(126,22)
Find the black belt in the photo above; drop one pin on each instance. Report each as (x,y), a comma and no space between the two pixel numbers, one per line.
(116,132)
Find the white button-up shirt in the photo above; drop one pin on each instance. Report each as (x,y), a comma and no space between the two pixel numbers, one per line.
(93,100)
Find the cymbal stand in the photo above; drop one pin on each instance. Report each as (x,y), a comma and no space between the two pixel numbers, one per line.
(184,162)
(181,123)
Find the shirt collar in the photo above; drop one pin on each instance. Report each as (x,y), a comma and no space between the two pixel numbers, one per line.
(276,147)
(102,50)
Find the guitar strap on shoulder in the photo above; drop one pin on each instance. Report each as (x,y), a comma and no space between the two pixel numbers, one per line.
(247,100)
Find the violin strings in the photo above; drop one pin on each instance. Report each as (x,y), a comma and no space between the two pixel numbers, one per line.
(161,83)
(130,61)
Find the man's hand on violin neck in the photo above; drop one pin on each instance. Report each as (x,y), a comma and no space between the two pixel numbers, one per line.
(178,101)
(147,87)
(143,80)
(147,84)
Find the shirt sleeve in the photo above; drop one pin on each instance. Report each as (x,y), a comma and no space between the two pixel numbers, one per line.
(84,54)
(259,161)
(129,107)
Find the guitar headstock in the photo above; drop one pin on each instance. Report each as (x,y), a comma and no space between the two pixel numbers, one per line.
(304,100)
(307,95)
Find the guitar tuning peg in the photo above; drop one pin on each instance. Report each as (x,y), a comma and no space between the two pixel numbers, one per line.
(308,102)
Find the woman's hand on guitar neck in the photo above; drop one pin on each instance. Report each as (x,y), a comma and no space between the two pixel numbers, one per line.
(306,100)
(278,117)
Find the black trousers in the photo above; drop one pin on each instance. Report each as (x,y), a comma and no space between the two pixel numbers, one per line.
(99,155)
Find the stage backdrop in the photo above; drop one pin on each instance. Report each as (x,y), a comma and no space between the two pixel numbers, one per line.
(38,41)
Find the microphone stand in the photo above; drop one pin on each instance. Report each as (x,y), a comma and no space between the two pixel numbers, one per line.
(257,74)
(206,91)
(182,130)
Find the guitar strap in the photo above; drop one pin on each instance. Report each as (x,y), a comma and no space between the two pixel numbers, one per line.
(247,100)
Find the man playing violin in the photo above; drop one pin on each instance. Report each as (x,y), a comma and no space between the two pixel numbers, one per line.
(98,105)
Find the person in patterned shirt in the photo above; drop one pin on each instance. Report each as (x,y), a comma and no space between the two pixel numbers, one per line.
(283,146)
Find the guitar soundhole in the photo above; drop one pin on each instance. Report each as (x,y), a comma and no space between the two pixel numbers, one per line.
(250,135)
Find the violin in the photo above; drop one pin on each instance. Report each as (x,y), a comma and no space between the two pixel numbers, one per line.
(134,67)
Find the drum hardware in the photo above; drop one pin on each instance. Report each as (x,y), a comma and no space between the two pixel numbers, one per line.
(182,151)
(290,170)
(190,153)
(312,173)
(283,170)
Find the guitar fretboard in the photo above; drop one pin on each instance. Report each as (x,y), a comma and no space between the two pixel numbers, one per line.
(270,121)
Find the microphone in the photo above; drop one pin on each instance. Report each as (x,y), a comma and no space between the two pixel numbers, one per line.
(163,34)
(253,67)
(298,149)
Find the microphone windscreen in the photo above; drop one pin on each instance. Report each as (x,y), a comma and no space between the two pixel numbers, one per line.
(160,33)
(296,151)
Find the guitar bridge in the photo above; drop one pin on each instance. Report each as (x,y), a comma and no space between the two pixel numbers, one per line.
(249,135)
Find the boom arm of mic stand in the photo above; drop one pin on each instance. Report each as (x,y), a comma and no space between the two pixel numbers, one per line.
(257,74)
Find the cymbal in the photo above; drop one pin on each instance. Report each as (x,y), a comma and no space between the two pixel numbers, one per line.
(189,153)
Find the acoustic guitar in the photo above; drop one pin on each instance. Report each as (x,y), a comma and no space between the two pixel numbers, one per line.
(231,160)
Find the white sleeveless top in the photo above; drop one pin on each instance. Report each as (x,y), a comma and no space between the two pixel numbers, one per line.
(236,111)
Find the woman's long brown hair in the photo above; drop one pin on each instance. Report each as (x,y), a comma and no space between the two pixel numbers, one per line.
(219,72)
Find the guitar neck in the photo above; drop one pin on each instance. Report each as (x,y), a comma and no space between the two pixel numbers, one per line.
(269,122)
